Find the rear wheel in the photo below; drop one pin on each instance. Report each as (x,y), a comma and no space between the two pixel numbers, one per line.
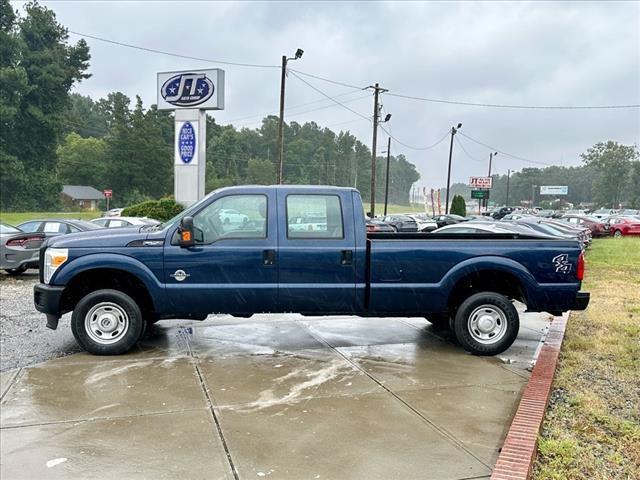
(107,322)
(486,323)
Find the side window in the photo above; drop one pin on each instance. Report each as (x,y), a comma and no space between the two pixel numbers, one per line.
(30,227)
(321,216)
(73,229)
(234,216)
(101,222)
(55,227)
(118,223)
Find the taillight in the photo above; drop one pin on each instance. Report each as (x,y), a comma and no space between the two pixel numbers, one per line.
(22,242)
(580,267)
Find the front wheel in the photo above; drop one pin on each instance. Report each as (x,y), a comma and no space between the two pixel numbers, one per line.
(617,234)
(107,322)
(486,323)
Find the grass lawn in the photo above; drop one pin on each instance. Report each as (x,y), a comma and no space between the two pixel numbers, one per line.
(592,427)
(14,218)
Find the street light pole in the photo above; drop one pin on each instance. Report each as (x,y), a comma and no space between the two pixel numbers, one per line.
(386,188)
(280,140)
(491,155)
(454,130)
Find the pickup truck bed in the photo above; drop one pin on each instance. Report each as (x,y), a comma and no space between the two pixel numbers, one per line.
(261,261)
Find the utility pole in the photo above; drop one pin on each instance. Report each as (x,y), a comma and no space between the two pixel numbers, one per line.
(491,155)
(508,178)
(533,194)
(376,114)
(386,188)
(454,130)
(280,140)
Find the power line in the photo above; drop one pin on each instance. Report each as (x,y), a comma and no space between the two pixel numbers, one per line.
(172,54)
(465,150)
(505,153)
(411,147)
(343,84)
(526,107)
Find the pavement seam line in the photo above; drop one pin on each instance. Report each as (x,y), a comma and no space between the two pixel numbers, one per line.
(98,419)
(437,428)
(205,390)
(13,381)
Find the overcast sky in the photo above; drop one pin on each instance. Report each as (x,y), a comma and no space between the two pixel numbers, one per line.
(553,53)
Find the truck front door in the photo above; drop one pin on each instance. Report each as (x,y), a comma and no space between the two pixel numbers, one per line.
(316,252)
(232,268)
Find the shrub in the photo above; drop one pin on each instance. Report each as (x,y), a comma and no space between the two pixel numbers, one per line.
(161,210)
(458,206)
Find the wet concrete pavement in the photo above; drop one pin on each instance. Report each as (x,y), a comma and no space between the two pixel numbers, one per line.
(268,397)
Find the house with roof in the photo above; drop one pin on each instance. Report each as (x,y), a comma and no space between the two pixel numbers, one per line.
(80,197)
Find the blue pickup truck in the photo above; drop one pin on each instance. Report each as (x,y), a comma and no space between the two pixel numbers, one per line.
(274,249)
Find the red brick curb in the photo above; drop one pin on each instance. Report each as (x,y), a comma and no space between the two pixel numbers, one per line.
(519,449)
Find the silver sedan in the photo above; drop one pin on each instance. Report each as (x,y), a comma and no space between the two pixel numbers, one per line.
(18,250)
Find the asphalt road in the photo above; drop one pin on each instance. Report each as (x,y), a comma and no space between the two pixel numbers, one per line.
(24,339)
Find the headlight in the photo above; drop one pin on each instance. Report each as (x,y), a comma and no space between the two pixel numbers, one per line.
(53,258)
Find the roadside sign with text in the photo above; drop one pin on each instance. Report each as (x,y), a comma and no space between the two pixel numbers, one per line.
(108,193)
(554,190)
(480,194)
(480,182)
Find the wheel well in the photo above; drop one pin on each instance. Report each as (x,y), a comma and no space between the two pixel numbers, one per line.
(496,281)
(107,278)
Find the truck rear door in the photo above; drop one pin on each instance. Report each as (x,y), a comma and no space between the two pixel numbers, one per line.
(316,251)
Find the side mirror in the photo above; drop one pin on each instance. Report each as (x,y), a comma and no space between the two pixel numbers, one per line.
(186,233)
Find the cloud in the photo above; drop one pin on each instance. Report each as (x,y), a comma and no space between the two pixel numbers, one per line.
(541,53)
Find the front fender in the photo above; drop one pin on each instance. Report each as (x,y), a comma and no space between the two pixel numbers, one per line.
(114,261)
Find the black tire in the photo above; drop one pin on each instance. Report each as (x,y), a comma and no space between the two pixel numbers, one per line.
(506,319)
(129,336)
(16,271)
(440,321)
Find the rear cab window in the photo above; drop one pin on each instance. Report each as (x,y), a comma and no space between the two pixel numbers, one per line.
(314,216)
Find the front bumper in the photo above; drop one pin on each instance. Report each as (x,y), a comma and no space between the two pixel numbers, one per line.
(581,301)
(47,299)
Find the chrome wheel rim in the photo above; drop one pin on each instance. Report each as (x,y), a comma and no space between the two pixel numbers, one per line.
(618,234)
(106,323)
(487,324)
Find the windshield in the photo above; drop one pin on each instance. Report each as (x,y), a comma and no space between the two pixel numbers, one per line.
(4,228)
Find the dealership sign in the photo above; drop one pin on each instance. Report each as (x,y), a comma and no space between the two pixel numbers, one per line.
(554,190)
(108,193)
(480,182)
(199,89)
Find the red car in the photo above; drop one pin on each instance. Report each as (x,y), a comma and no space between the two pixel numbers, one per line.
(598,228)
(625,226)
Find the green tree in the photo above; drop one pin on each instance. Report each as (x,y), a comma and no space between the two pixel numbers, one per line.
(51,67)
(82,161)
(458,206)
(613,161)
(260,172)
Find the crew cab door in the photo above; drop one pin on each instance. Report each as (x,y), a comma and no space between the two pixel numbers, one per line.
(232,268)
(316,252)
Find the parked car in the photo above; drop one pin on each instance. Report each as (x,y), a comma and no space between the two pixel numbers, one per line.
(553,228)
(598,228)
(623,226)
(116,222)
(546,213)
(481,227)
(18,250)
(53,227)
(229,215)
(342,271)
(424,222)
(603,212)
(375,225)
(629,212)
(308,223)
(479,218)
(449,219)
(502,211)
(401,223)
(114,212)
(516,216)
